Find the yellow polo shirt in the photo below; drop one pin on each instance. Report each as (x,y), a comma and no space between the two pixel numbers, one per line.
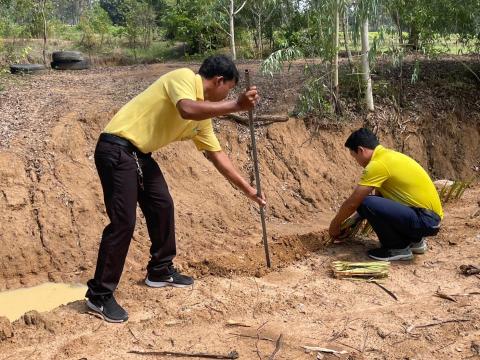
(400,178)
(151,119)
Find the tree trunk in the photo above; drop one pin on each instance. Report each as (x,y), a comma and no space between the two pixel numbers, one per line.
(232,30)
(414,38)
(255,40)
(399,28)
(335,58)
(44,52)
(346,40)
(366,67)
(260,38)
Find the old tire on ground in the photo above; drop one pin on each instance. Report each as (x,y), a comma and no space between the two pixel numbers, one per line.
(26,68)
(67,56)
(77,65)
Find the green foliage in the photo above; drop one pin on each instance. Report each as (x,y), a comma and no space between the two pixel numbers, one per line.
(313,100)
(264,26)
(429,21)
(416,72)
(276,61)
(193,22)
(94,25)
(139,22)
(454,190)
(114,11)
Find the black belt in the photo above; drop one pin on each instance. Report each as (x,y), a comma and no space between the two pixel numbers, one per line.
(117,140)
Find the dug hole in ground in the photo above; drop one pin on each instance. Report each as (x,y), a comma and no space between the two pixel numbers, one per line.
(52,215)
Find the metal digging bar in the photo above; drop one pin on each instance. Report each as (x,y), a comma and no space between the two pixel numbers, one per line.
(257,174)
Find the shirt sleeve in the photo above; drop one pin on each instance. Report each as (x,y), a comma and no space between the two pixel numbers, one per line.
(206,140)
(181,86)
(374,175)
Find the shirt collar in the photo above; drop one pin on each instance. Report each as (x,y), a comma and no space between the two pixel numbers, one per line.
(199,87)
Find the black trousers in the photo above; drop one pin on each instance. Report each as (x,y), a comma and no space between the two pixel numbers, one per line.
(117,168)
(397,225)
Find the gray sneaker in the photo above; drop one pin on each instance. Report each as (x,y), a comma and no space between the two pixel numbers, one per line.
(384,254)
(419,247)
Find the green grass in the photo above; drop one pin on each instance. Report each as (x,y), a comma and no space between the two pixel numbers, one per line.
(157,51)
(444,45)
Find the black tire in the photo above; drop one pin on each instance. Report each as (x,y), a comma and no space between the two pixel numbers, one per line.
(26,68)
(78,65)
(67,56)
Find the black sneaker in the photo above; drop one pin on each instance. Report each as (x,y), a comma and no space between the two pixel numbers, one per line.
(108,308)
(174,279)
(390,254)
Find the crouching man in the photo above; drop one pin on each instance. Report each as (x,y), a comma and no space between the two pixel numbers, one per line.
(406,206)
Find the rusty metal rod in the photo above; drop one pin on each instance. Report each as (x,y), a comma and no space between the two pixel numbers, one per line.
(257,174)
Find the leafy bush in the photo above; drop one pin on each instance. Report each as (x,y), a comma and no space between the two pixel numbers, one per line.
(94,26)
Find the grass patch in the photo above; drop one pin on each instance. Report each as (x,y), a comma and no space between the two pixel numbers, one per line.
(453,190)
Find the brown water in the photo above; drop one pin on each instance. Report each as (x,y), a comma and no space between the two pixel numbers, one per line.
(45,297)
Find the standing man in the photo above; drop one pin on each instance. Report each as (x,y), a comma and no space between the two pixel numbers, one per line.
(178,106)
(407,206)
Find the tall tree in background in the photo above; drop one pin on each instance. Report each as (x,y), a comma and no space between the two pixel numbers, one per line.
(231,12)
(44,18)
(363,10)
(336,89)
(367,78)
(261,13)
(346,31)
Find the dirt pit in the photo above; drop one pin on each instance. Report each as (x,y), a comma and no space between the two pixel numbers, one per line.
(52,216)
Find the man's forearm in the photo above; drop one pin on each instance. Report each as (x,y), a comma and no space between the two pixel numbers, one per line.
(201,110)
(347,209)
(223,164)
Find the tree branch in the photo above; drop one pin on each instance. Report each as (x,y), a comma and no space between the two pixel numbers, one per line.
(241,7)
(257,119)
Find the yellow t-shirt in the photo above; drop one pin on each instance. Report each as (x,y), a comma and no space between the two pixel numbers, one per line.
(151,119)
(400,178)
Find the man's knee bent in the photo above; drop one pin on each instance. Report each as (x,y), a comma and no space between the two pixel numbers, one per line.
(364,210)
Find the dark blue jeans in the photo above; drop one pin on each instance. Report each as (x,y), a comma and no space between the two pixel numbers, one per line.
(397,225)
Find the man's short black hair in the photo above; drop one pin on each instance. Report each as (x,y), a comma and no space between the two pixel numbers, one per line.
(362,137)
(219,65)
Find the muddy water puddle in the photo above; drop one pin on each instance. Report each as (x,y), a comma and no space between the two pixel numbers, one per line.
(45,297)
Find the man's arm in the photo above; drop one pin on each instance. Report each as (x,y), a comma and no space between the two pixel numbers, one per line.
(201,110)
(223,164)
(348,207)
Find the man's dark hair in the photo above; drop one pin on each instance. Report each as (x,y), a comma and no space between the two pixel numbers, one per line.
(362,137)
(219,65)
